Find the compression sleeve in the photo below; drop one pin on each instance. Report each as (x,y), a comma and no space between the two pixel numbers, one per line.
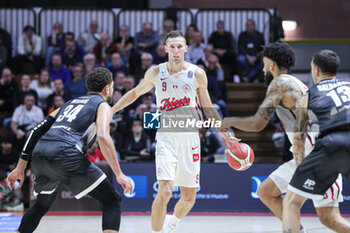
(35,135)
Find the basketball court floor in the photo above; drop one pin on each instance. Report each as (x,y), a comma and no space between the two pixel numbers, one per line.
(235,223)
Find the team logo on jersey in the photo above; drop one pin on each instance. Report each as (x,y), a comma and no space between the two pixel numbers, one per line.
(151,120)
(309,184)
(169,105)
(162,72)
(186,88)
(190,74)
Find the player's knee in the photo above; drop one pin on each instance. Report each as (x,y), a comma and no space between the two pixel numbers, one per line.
(165,194)
(114,201)
(190,200)
(262,191)
(289,200)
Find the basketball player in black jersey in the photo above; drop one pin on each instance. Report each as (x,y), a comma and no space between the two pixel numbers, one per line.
(58,147)
(328,104)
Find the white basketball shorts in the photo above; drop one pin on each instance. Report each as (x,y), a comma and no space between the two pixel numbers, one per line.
(284,173)
(178,158)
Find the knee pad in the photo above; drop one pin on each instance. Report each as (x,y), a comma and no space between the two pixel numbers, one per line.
(114,201)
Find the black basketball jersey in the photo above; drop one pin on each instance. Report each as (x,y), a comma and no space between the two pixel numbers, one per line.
(75,122)
(329,104)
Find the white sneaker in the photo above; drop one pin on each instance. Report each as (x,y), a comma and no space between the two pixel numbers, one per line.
(303,230)
(167,228)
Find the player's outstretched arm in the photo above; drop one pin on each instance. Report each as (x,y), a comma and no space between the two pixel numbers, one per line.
(104,117)
(144,86)
(209,110)
(300,129)
(277,88)
(36,133)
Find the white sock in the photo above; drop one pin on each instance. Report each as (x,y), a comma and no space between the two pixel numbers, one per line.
(174,220)
(156,231)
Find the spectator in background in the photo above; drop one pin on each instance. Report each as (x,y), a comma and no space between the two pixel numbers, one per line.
(125,44)
(146,62)
(29,50)
(57,70)
(70,37)
(138,145)
(42,86)
(215,76)
(224,47)
(250,44)
(147,105)
(129,83)
(6,41)
(8,87)
(130,111)
(119,82)
(25,118)
(94,154)
(58,90)
(208,50)
(90,37)
(89,63)
(58,101)
(147,39)
(71,56)
(117,65)
(168,26)
(116,137)
(196,50)
(209,145)
(100,49)
(23,91)
(159,56)
(190,29)
(3,55)
(8,155)
(121,121)
(55,42)
(76,87)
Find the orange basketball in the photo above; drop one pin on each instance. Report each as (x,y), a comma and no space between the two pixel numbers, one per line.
(240,156)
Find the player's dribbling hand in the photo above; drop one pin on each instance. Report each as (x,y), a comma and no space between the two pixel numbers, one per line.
(15,175)
(230,139)
(125,182)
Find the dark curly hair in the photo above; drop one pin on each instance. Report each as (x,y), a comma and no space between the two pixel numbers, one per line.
(327,61)
(281,53)
(98,78)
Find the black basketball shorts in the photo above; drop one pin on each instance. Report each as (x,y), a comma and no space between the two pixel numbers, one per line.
(57,162)
(319,170)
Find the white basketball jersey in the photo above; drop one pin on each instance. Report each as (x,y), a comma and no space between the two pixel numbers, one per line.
(177,97)
(288,119)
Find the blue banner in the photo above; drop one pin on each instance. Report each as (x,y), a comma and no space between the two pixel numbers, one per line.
(221,189)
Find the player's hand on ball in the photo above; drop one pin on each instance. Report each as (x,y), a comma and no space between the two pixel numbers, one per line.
(15,175)
(230,139)
(125,182)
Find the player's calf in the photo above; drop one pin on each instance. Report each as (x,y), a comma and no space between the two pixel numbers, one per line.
(331,218)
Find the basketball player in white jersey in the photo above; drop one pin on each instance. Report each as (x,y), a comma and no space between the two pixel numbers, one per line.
(177,85)
(282,94)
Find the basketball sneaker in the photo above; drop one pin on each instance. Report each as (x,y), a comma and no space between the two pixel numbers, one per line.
(167,227)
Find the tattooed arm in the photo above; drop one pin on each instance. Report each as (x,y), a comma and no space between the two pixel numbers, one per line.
(300,129)
(275,92)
